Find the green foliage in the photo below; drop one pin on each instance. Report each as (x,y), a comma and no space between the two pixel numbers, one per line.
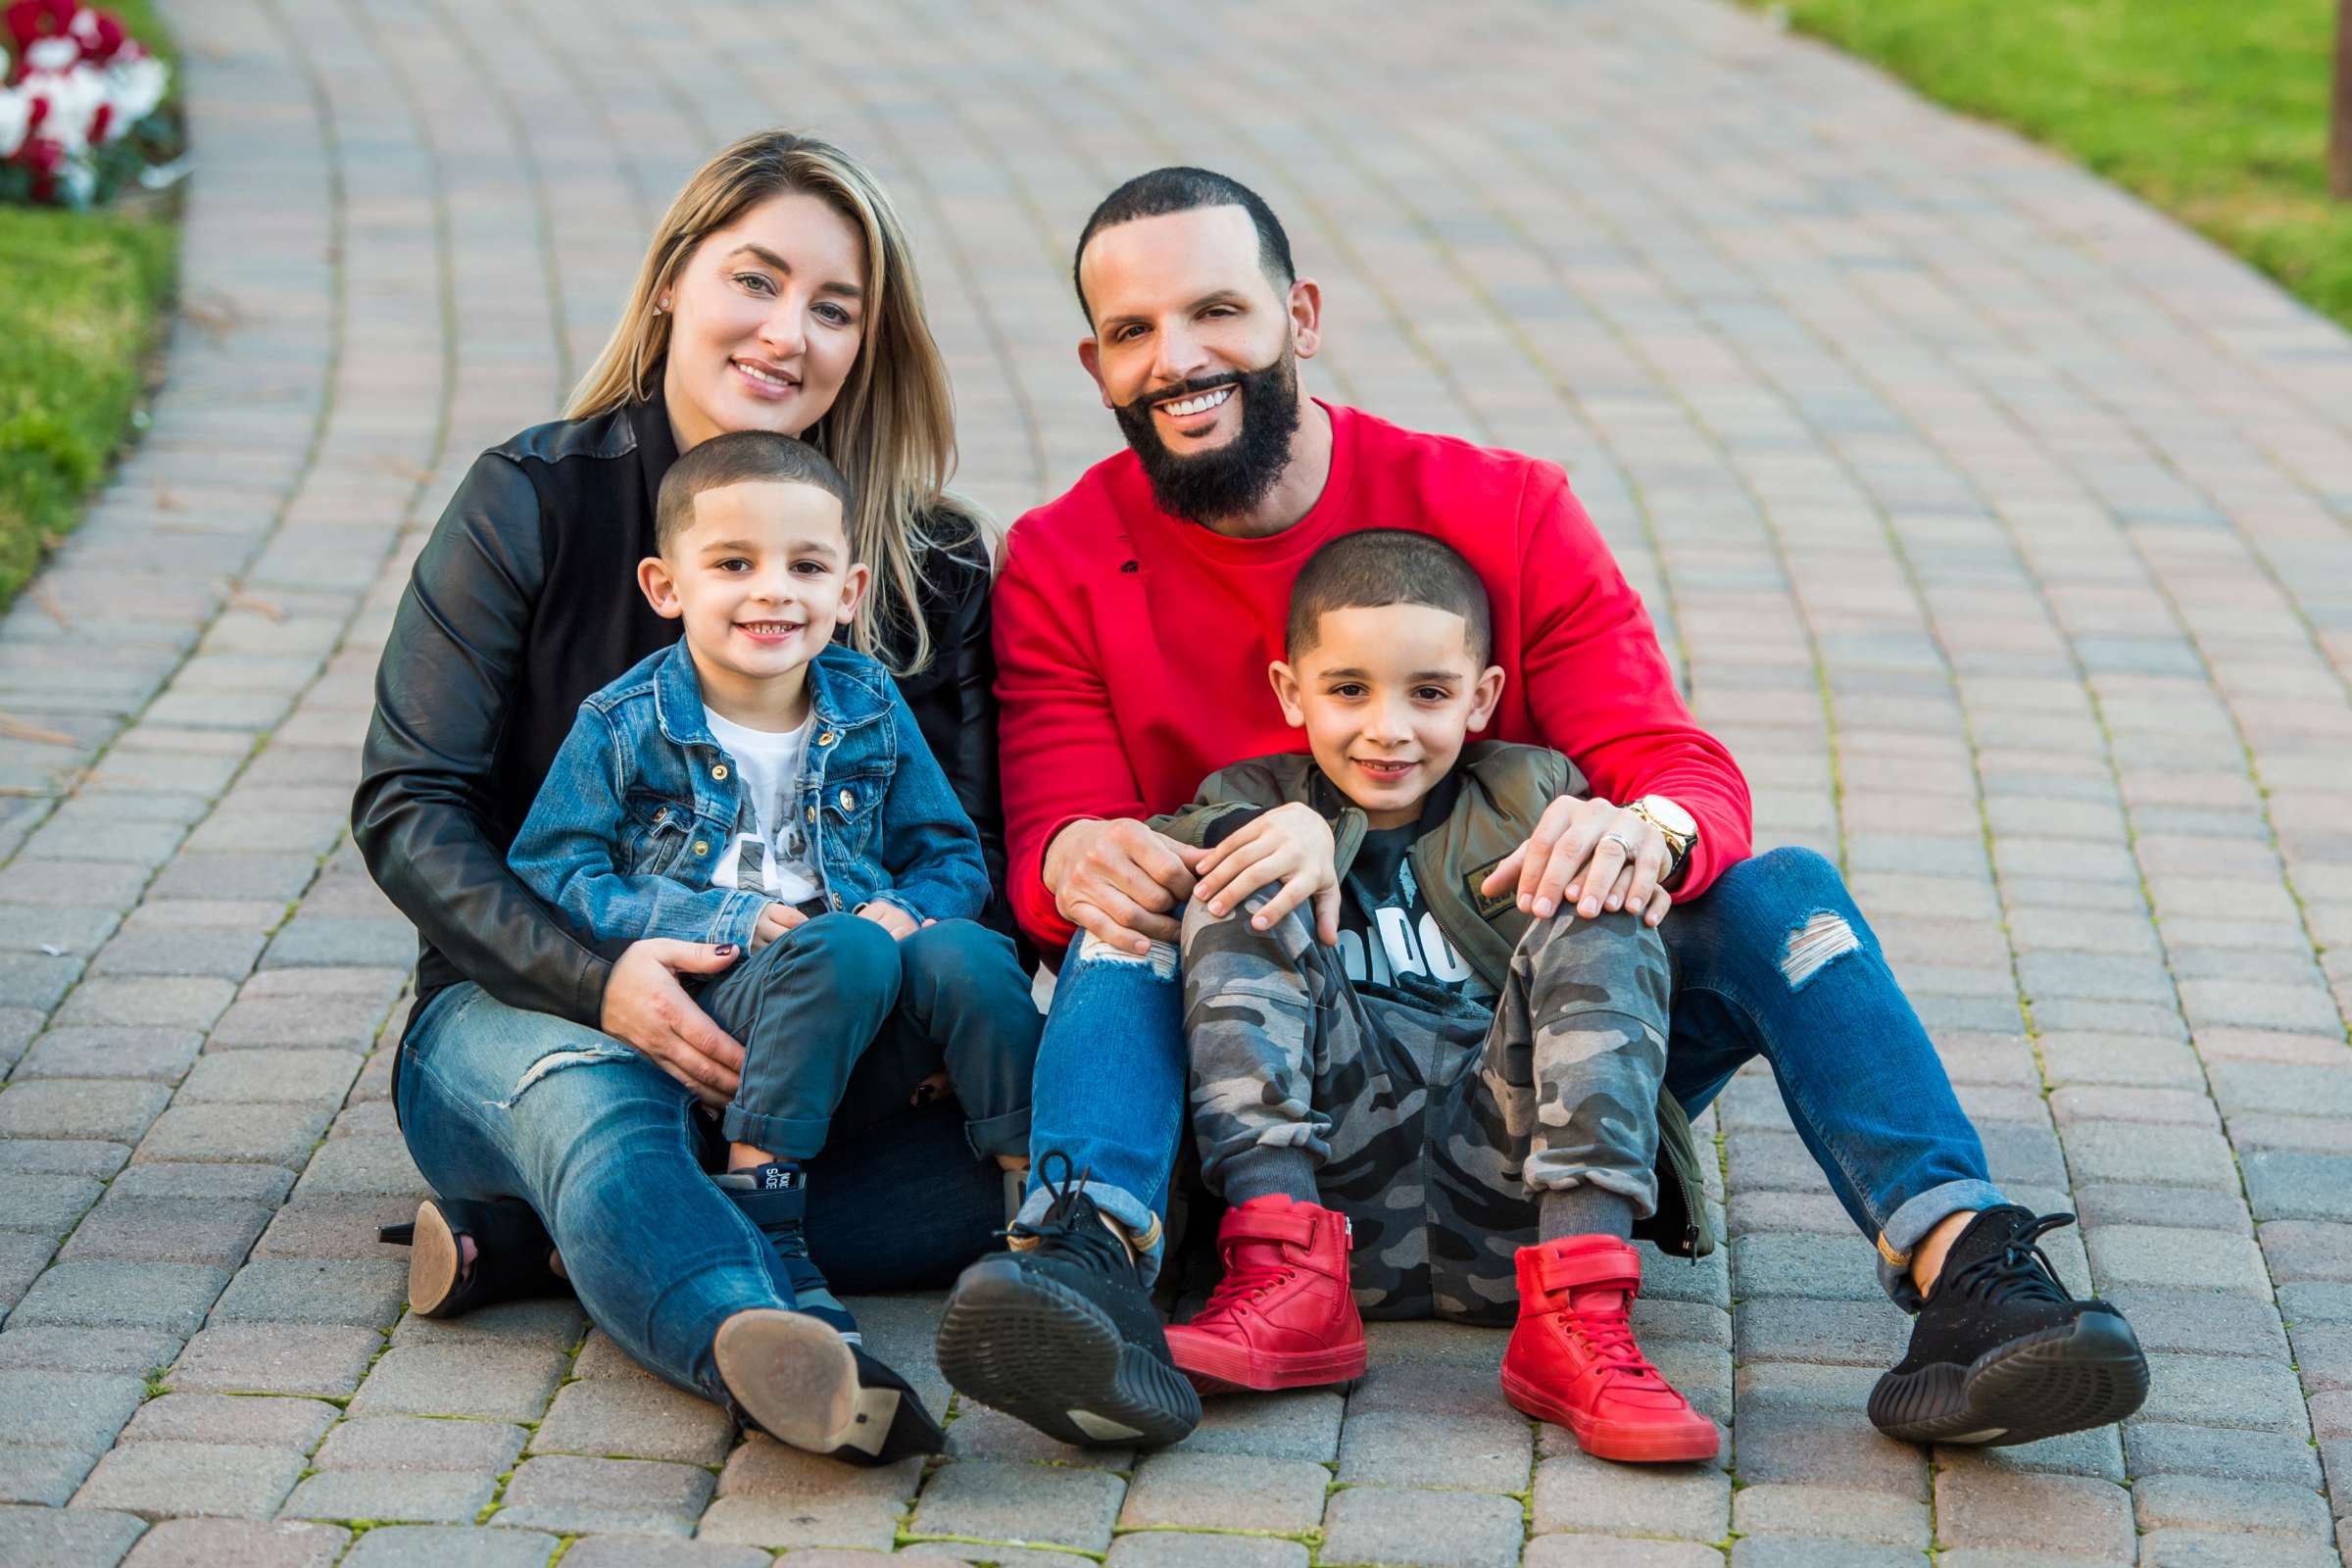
(2217,114)
(139,20)
(79,295)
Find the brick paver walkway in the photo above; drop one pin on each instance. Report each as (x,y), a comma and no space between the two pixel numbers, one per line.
(1999,525)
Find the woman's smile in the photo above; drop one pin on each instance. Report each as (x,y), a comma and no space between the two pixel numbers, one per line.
(762,380)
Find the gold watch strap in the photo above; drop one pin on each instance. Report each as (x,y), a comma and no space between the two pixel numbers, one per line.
(1677,845)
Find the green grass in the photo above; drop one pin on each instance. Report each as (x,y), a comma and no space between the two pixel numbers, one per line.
(81,294)
(2216,113)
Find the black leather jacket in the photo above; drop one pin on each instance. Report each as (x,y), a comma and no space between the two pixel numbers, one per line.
(525,601)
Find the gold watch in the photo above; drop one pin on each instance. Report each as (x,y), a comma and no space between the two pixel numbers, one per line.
(1678,828)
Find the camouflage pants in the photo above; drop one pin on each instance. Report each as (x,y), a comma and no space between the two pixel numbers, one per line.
(1434,1123)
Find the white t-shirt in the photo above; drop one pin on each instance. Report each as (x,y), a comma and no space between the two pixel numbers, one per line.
(777,861)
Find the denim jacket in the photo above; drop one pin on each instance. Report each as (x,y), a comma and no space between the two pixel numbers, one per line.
(641,801)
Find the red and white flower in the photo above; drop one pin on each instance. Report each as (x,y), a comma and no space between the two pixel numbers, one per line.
(65,103)
(135,84)
(99,33)
(33,21)
(16,121)
(73,85)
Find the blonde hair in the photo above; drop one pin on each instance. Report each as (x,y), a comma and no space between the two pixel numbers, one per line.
(892,431)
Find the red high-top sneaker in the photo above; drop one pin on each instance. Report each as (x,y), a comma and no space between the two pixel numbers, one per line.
(1573,1362)
(1282,1317)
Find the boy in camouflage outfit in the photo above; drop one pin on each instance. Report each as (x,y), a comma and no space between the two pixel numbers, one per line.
(1416,1098)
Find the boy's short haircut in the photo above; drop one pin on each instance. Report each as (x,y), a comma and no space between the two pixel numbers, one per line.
(1379,567)
(739,457)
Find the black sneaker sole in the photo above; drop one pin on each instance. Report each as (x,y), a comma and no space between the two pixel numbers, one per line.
(2079,1375)
(1024,1344)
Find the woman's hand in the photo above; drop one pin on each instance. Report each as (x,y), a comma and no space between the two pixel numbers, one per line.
(646,1007)
(1290,844)
(774,921)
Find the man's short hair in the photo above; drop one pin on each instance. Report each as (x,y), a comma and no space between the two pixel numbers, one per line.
(741,456)
(1377,566)
(1180,188)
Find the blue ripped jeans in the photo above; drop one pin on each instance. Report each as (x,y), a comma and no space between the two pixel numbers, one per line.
(611,1152)
(1774,961)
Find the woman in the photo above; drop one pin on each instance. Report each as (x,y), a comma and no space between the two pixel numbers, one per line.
(778,294)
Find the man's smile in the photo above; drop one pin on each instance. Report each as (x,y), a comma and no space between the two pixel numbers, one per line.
(1195,413)
(1195,403)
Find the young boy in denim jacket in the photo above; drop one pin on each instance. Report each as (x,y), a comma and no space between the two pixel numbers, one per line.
(760,787)
(1475,1092)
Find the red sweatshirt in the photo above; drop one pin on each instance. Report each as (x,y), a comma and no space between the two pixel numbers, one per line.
(1132,645)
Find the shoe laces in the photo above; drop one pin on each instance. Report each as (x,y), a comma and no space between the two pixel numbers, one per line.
(1609,1334)
(1247,1278)
(1073,1225)
(2019,1271)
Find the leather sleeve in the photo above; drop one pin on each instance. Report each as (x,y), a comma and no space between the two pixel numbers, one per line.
(442,691)
(926,839)
(972,763)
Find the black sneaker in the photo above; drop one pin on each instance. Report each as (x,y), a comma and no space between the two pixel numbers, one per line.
(2001,1354)
(1061,1332)
(775,1198)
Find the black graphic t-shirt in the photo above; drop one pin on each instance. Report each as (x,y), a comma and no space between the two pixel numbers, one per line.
(1388,937)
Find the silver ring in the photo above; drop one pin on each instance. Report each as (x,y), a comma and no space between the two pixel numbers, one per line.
(1630,848)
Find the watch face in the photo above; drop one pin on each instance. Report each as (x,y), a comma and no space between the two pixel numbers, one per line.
(1670,816)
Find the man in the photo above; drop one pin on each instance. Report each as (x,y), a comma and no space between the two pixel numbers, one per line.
(1135,616)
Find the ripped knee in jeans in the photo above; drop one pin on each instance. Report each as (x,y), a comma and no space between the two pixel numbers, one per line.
(1162,959)
(1821,941)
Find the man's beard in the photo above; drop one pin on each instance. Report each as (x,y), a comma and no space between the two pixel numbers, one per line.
(1229,480)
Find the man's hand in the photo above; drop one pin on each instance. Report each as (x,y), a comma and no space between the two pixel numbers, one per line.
(890,917)
(1290,844)
(646,1007)
(1119,882)
(774,921)
(1578,854)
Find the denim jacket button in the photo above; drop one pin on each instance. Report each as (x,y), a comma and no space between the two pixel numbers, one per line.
(812,814)
(718,770)
(836,901)
(661,814)
(848,801)
(702,845)
(827,738)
